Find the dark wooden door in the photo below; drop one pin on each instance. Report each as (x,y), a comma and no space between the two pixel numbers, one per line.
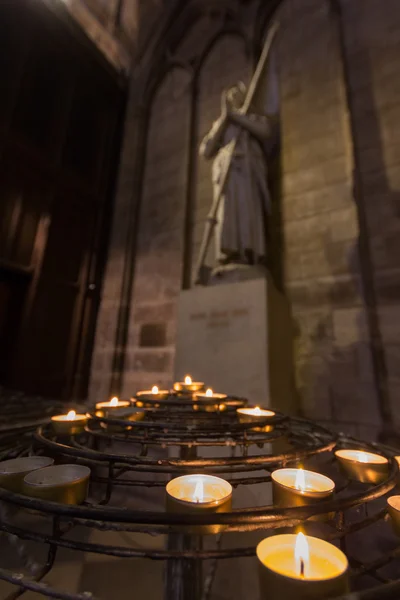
(59,143)
(49,340)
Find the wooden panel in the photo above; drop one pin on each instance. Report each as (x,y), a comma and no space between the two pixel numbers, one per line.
(9,215)
(68,239)
(59,137)
(13,288)
(23,198)
(44,356)
(45,85)
(12,48)
(88,128)
(55,315)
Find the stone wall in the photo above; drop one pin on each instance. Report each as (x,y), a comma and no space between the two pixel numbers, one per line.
(116,28)
(125,206)
(373,51)
(158,270)
(324,272)
(332,353)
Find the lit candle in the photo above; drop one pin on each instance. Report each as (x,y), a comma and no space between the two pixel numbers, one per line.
(297,487)
(12,472)
(209,394)
(121,410)
(301,567)
(394,511)
(69,424)
(302,555)
(112,406)
(154,394)
(209,401)
(67,484)
(188,385)
(199,494)
(254,415)
(366,467)
(258,416)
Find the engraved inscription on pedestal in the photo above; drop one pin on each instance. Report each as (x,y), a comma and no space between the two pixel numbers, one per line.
(222,338)
(228,338)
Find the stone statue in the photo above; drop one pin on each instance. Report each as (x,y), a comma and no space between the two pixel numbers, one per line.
(241,217)
(236,142)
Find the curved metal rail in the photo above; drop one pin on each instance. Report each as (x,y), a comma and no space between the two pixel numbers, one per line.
(113,467)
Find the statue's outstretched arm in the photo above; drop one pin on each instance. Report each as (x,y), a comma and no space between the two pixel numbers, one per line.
(212,141)
(259,127)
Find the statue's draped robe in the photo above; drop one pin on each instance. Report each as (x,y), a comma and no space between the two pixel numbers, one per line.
(245,203)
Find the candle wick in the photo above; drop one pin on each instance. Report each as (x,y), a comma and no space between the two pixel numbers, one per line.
(301,567)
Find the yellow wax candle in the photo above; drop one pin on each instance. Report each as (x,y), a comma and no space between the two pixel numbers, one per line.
(210,395)
(154,394)
(256,414)
(366,467)
(199,494)
(298,487)
(301,567)
(200,491)
(394,511)
(69,424)
(122,410)
(188,385)
(113,404)
(397,459)
(13,471)
(209,401)
(67,484)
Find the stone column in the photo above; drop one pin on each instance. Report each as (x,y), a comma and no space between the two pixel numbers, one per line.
(113,318)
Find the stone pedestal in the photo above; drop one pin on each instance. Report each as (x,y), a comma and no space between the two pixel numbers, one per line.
(237,338)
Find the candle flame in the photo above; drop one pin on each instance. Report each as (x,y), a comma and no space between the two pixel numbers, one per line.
(198,495)
(362,457)
(188,380)
(71,415)
(114,401)
(300,481)
(302,555)
(209,392)
(257,410)
(154,389)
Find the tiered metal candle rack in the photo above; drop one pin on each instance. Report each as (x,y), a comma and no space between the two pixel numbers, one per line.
(120,455)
